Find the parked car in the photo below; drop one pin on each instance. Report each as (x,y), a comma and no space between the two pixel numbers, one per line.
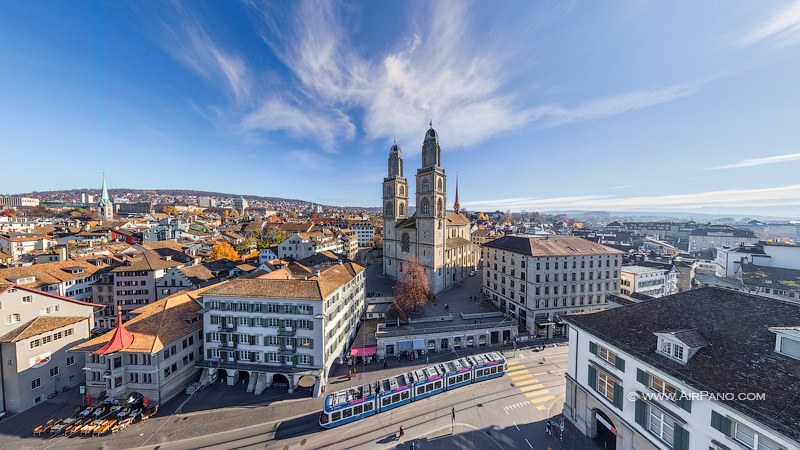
(192,388)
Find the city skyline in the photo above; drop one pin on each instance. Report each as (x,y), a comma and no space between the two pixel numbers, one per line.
(539,107)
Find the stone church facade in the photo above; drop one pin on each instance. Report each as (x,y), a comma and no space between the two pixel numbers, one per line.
(440,239)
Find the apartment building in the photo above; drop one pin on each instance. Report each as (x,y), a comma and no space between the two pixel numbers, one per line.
(704,369)
(651,281)
(36,329)
(70,278)
(302,245)
(18,244)
(719,236)
(281,327)
(154,353)
(538,279)
(135,280)
(365,231)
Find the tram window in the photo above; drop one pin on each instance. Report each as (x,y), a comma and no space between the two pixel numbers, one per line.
(367,407)
(336,416)
(386,401)
(466,376)
(438,384)
(358,409)
(405,394)
(429,387)
(395,398)
(347,413)
(420,390)
(324,418)
(479,373)
(494,369)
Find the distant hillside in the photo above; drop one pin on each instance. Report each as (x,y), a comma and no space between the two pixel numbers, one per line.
(170,192)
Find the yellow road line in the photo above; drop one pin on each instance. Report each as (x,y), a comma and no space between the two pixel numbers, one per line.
(540,407)
(521,376)
(526,382)
(543,399)
(516,369)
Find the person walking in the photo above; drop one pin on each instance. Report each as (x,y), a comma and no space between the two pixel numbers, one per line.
(385,364)
(549,427)
(401,432)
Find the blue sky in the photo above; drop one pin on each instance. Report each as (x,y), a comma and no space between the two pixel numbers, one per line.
(656,106)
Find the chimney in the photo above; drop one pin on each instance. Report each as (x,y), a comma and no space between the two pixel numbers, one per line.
(62,253)
(317,272)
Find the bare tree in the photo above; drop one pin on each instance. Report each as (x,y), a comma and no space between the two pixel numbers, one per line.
(413,290)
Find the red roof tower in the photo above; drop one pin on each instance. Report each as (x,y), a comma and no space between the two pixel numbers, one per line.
(121,340)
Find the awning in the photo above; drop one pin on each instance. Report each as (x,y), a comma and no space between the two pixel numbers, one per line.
(404,346)
(419,344)
(544,321)
(363,351)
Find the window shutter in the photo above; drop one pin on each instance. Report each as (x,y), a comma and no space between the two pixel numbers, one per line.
(620,364)
(683,401)
(720,423)
(592,348)
(643,377)
(681,438)
(618,395)
(310,325)
(641,413)
(592,377)
(310,343)
(208,337)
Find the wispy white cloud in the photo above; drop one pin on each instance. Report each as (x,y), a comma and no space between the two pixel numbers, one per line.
(276,114)
(783,27)
(624,186)
(767,197)
(187,39)
(618,104)
(758,161)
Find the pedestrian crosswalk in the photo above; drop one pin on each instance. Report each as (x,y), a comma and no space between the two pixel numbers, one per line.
(527,383)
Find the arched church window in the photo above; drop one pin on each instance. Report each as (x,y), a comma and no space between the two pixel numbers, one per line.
(405,243)
(440,184)
(440,208)
(402,191)
(389,210)
(425,185)
(426,207)
(401,210)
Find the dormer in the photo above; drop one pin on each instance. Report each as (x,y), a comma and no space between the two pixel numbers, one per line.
(787,341)
(680,345)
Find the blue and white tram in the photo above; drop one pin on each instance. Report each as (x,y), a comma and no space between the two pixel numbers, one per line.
(363,401)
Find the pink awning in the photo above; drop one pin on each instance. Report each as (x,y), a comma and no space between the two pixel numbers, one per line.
(363,351)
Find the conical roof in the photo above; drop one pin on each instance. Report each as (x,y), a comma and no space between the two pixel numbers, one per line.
(121,339)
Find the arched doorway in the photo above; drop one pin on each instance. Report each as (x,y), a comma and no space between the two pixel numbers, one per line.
(280,380)
(606,435)
(244,377)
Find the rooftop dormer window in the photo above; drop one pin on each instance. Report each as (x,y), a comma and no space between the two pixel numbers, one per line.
(787,341)
(680,345)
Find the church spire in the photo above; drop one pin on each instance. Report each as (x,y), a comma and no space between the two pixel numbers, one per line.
(456,205)
(104,200)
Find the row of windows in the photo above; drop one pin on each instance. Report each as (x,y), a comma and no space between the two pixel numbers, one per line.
(51,337)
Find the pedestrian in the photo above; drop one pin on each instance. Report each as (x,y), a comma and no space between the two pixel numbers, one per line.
(385,364)
(401,431)
(549,427)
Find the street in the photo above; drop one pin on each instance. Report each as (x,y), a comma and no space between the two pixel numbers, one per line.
(506,413)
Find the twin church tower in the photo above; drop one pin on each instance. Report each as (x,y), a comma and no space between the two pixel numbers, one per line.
(441,240)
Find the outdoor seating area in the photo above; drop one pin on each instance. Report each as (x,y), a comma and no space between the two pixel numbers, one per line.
(109,416)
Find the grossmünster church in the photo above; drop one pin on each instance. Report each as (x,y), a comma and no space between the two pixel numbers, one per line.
(440,239)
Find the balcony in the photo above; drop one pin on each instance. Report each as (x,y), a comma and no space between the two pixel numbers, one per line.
(227,326)
(287,367)
(228,346)
(287,350)
(287,331)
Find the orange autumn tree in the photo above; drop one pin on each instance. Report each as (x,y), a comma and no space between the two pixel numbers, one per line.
(223,250)
(413,290)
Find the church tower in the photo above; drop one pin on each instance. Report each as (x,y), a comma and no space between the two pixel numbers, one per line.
(431,209)
(395,192)
(105,207)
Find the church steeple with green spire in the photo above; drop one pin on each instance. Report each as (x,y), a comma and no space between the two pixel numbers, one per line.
(106,208)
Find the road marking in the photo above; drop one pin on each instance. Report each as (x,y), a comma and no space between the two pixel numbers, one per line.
(515,425)
(529,444)
(534,387)
(537,393)
(539,407)
(524,382)
(543,399)
(514,363)
(520,376)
